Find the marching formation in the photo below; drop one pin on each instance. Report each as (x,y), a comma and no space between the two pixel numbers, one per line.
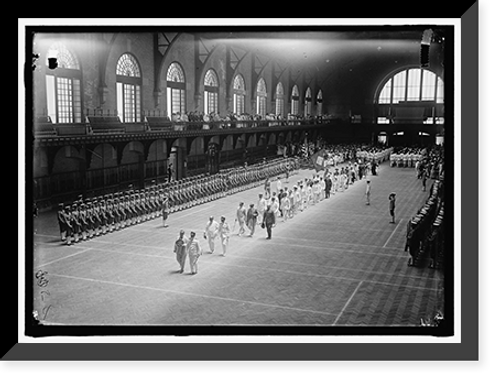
(87,218)
(283,201)
(278,201)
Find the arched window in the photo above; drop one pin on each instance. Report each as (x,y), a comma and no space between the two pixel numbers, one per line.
(319,102)
(128,89)
(176,89)
(63,89)
(416,84)
(239,94)
(295,100)
(308,102)
(211,94)
(261,97)
(280,99)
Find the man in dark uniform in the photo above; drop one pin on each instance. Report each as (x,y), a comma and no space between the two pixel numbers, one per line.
(392,206)
(269,221)
(169,172)
(374,167)
(328,185)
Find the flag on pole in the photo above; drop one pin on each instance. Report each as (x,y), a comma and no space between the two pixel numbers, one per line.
(318,160)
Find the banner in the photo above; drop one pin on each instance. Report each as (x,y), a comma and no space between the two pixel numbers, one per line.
(318,160)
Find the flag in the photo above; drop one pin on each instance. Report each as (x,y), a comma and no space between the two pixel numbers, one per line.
(318,160)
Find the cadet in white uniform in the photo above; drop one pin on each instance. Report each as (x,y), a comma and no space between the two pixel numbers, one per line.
(180,250)
(194,252)
(241,215)
(211,230)
(224,233)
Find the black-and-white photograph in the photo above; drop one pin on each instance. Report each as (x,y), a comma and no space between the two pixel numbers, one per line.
(241,179)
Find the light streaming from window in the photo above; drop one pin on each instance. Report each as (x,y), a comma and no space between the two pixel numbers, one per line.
(261,97)
(280,101)
(238,94)
(128,89)
(295,100)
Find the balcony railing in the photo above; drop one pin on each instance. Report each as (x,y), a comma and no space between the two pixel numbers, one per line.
(111,124)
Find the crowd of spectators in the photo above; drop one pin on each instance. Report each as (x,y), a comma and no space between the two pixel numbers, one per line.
(198,120)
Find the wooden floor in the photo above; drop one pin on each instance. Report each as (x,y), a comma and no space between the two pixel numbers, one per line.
(339,262)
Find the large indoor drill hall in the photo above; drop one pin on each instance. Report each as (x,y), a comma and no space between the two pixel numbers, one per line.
(196,179)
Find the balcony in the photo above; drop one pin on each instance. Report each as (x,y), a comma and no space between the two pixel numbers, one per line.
(110,128)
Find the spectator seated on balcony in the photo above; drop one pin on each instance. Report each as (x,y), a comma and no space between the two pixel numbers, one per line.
(206,120)
(270,118)
(176,118)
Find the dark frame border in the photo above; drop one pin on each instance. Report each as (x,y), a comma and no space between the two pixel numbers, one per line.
(308,350)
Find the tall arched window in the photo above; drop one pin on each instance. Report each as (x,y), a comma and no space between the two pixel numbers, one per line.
(238,94)
(261,97)
(176,89)
(280,99)
(128,89)
(308,102)
(319,102)
(211,94)
(63,89)
(414,84)
(295,100)
(399,96)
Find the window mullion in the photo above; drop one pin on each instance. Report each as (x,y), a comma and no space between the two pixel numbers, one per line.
(391,91)
(56,92)
(435,87)
(406,85)
(421,84)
